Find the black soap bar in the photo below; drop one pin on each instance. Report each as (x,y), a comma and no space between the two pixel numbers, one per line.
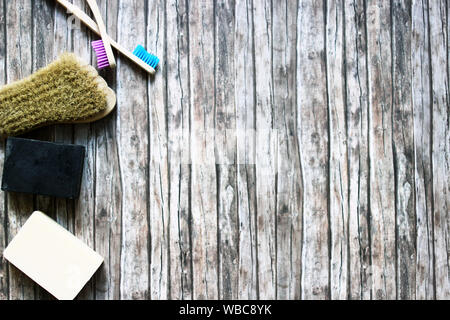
(44,168)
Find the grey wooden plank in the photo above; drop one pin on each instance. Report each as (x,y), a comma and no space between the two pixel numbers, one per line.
(446,169)
(245,143)
(403,145)
(204,179)
(158,161)
(62,42)
(382,174)
(356,96)
(43,26)
(4,289)
(85,205)
(42,51)
(312,117)
(421,103)
(266,152)
(108,186)
(338,157)
(108,208)
(83,134)
(289,202)
(225,150)
(133,144)
(440,146)
(178,116)
(18,65)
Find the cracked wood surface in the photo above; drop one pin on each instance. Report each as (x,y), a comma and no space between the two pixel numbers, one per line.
(283,150)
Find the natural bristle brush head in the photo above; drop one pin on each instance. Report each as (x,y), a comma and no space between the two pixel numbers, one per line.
(68,90)
(100,52)
(145,56)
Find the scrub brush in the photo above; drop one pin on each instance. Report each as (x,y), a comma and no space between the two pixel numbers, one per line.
(66,91)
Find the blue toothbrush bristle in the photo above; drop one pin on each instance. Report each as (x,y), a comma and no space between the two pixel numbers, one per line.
(145,56)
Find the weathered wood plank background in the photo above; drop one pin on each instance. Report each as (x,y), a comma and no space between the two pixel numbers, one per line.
(284,149)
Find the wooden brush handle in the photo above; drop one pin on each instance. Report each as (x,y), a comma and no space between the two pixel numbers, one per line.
(101,26)
(93,26)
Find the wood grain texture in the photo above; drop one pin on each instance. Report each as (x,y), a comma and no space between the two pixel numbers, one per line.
(421,103)
(244,101)
(313,138)
(381,157)
(108,186)
(133,152)
(288,181)
(178,126)
(83,134)
(42,54)
(265,150)
(356,95)
(158,162)
(338,157)
(62,38)
(225,150)
(283,149)
(19,35)
(4,280)
(403,147)
(203,186)
(440,145)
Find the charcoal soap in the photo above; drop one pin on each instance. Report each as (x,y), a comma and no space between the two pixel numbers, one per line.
(43,168)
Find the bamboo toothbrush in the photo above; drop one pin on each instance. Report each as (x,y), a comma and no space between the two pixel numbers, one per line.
(102,48)
(153,60)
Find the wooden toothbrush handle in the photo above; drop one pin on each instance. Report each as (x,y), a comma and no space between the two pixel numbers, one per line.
(101,26)
(93,26)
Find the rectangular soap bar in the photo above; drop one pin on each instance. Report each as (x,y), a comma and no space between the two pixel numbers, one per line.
(44,168)
(52,257)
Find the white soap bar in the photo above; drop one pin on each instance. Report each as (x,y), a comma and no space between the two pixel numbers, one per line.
(52,256)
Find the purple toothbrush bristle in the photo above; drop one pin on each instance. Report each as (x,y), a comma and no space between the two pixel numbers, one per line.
(102,58)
